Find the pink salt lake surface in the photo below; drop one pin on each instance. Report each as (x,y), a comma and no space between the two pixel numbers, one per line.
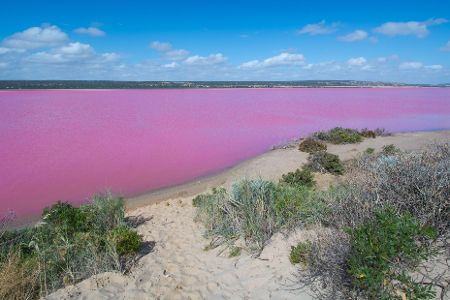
(70,144)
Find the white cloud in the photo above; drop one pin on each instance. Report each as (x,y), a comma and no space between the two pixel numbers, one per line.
(318,28)
(167,52)
(446,47)
(419,29)
(357,35)
(36,37)
(92,31)
(4,50)
(72,53)
(284,58)
(356,61)
(3,65)
(171,65)
(160,46)
(434,67)
(211,59)
(410,65)
(178,54)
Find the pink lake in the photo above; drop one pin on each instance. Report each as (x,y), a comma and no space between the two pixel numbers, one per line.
(70,144)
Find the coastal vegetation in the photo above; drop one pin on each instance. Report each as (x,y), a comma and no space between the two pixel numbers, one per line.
(67,246)
(376,231)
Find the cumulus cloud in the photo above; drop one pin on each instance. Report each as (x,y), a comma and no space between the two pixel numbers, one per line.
(356,61)
(36,37)
(165,49)
(318,28)
(72,53)
(410,65)
(4,50)
(171,65)
(92,31)
(160,46)
(434,67)
(357,35)
(419,29)
(211,59)
(178,54)
(284,58)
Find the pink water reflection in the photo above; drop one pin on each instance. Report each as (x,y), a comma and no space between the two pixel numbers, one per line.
(69,144)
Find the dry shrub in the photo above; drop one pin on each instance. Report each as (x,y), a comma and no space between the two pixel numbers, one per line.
(325,273)
(415,182)
(19,280)
(311,145)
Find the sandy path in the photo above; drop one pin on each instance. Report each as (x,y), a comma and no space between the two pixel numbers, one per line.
(180,268)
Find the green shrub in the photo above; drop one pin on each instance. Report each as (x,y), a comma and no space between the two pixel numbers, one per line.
(390,149)
(368,133)
(126,240)
(379,246)
(325,162)
(300,253)
(71,244)
(303,177)
(311,145)
(339,135)
(234,251)
(369,151)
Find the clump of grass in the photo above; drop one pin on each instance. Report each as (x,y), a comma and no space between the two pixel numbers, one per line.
(325,162)
(70,245)
(300,253)
(369,151)
(311,145)
(235,251)
(339,135)
(298,178)
(390,149)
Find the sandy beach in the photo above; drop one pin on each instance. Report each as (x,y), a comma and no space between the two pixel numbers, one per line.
(177,266)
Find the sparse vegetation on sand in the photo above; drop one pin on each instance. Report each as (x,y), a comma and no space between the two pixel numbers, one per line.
(69,245)
(340,135)
(376,231)
(311,145)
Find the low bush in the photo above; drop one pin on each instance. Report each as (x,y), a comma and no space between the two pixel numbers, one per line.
(300,253)
(339,135)
(325,162)
(390,150)
(125,240)
(299,178)
(369,151)
(235,251)
(69,245)
(383,251)
(311,145)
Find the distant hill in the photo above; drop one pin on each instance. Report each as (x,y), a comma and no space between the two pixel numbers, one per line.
(104,84)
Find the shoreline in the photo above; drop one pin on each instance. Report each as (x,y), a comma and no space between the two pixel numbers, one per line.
(180,264)
(227,176)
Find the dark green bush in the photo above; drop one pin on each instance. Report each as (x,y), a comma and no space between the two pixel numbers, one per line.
(325,162)
(235,251)
(339,135)
(300,253)
(126,240)
(383,249)
(311,145)
(65,217)
(368,133)
(303,177)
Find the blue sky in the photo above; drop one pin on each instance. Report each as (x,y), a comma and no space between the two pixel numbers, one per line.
(406,41)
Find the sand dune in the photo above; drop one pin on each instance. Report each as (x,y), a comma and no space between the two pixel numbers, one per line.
(178,267)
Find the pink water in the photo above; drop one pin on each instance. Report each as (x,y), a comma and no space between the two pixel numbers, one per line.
(70,144)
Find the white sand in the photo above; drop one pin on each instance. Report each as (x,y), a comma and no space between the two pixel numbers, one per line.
(179,268)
